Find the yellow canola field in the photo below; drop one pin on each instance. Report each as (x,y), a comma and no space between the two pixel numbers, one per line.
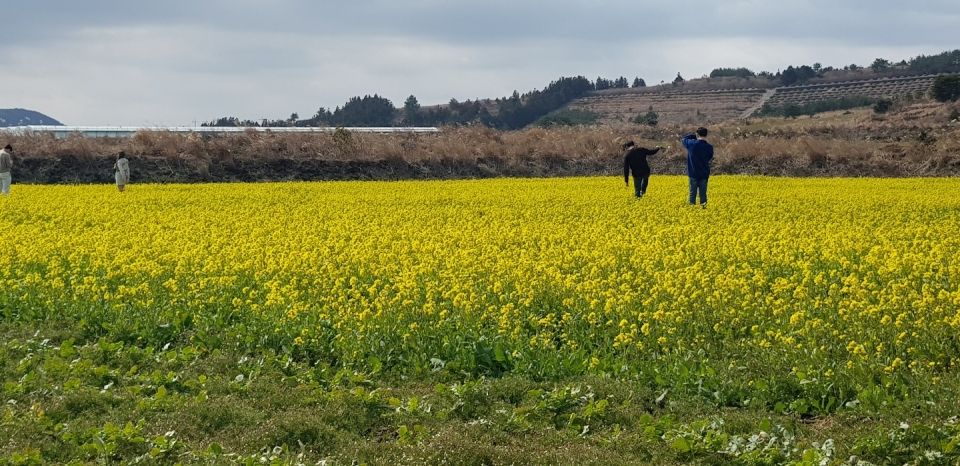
(829,278)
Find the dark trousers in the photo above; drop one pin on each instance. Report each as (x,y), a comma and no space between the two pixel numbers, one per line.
(640,184)
(698,185)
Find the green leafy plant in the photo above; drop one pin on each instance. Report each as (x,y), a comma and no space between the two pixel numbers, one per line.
(946,88)
(882,105)
(650,118)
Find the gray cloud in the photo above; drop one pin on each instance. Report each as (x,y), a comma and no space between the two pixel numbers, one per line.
(504,21)
(121,62)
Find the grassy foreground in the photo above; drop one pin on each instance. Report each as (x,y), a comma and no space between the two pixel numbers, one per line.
(510,321)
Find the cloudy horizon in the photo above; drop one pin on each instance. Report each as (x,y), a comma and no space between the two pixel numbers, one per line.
(112,62)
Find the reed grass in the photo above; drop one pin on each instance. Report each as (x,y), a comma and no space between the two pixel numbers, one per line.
(916,139)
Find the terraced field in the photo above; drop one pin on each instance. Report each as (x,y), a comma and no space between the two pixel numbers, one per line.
(876,88)
(714,106)
(671,107)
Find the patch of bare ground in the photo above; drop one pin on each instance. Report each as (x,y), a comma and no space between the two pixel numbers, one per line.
(915,139)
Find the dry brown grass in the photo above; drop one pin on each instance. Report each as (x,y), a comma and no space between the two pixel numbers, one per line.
(913,140)
(456,143)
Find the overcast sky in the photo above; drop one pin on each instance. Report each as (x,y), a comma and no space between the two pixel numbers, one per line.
(177,62)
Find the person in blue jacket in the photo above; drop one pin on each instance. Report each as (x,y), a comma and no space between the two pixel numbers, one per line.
(699,155)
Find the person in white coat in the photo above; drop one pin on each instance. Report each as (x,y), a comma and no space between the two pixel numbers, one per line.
(122,171)
(6,164)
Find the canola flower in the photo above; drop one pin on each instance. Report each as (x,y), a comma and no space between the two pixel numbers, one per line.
(852,281)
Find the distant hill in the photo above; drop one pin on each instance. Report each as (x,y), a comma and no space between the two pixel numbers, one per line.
(696,102)
(23,117)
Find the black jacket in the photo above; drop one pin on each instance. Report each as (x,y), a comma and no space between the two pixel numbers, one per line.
(636,160)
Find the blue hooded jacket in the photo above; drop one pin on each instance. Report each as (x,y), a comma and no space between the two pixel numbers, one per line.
(699,155)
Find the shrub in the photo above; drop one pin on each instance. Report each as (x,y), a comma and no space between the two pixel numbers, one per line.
(366,111)
(926,139)
(880,64)
(946,88)
(793,75)
(650,118)
(882,105)
(732,72)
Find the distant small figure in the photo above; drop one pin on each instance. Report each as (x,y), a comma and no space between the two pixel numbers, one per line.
(122,171)
(635,160)
(6,164)
(699,155)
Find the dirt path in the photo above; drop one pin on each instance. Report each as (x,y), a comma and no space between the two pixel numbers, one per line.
(757,106)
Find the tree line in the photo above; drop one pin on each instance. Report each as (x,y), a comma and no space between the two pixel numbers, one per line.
(507,113)
(946,63)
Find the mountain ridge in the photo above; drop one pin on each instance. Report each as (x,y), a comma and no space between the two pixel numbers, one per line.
(23,117)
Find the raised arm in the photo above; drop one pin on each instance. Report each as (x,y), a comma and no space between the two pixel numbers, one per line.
(689,140)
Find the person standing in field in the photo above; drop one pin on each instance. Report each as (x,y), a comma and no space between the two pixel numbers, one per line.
(122,171)
(635,160)
(699,155)
(6,164)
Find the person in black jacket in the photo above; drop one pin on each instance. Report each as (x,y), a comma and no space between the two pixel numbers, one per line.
(635,160)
